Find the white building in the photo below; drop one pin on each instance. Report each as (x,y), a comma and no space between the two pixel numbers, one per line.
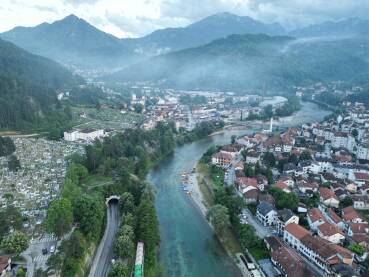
(86,135)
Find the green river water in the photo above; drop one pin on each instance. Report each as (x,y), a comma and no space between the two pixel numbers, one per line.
(188,245)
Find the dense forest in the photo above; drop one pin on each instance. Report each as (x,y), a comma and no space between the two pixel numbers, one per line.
(124,161)
(7,146)
(28,88)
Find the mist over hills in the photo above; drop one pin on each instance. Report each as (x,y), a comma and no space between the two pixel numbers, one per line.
(200,33)
(222,51)
(249,61)
(350,27)
(74,41)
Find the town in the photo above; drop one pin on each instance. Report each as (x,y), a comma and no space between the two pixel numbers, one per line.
(306,193)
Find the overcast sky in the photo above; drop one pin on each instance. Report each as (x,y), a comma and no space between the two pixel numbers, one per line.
(132,18)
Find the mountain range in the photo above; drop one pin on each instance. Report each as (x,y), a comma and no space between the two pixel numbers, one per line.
(221,51)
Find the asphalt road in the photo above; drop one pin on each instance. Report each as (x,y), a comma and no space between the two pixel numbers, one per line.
(102,260)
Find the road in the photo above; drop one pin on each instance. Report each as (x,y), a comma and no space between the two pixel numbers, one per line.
(104,254)
(260,230)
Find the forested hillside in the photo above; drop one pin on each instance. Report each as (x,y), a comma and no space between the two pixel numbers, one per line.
(28,88)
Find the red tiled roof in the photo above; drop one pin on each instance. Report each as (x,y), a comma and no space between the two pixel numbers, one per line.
(359,228)
(328,229)
(281,185)
(336,219)
(349,213)
(4,262)
(327,193)
(247,181)
(251,194)
(315,215)
(224,156)
(361,176)
(296,230)
(291,263)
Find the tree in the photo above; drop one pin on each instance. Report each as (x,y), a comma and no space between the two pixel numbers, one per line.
(128,203)
(233,139)
(75,246)
(76,172)
(70,190)
(249,171)
(354,133)
(13,163)
(283,199)
(7,146)
(21,272)
(305,155)
(147,229)
(269,159)
(357,248)
(346,202)
(124,245)
(119,270)
(89,213)
(219,218)
(16,242)
(269,175)
(268,111)
(10,217)
(59,217)
(55,262)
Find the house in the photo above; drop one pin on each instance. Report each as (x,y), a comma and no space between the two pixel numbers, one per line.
(282,186)
(324,254)
(360,202)
(244,184)
(362,240)
(251,196)
(328,197)
(330,232)
(301,208)
(290,263)
(289,168)
(232,149)
(315,218)
(358,229)
(350,215)
(266,213)
(5,263)
(285,217)
(333,218)
(252,157)
(288,180)
(351,187)
(360,178)
(319,251)
(222,159)
(266,198)
(307,187)
(293,233)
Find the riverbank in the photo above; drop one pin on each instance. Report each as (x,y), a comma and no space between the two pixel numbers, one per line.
(202,196)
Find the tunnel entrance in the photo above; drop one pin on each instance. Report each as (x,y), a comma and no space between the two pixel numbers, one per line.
(112,199)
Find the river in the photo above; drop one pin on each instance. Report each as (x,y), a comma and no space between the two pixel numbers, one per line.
(188,245)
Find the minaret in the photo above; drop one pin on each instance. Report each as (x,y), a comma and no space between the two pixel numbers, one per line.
(271,125)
